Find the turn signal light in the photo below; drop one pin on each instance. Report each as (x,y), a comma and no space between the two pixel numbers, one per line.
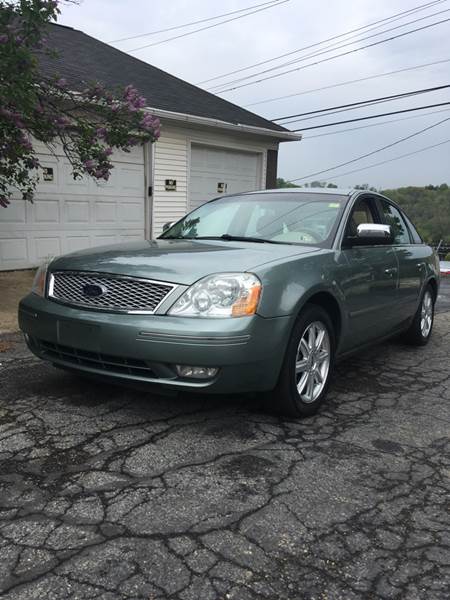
(247,305)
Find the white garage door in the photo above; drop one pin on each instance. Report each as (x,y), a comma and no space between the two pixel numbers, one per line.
(216,171)
(69,215)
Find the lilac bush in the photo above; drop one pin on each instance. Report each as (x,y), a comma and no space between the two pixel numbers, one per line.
(89,123)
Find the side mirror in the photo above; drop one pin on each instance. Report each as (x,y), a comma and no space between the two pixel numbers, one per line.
(168,225)
(371,234)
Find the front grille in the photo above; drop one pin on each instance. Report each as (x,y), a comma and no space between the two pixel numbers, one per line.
(118,365)
(118,294)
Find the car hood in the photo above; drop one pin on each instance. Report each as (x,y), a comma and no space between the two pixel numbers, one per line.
(176,261)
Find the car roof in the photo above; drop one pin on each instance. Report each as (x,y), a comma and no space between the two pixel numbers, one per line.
(331,191)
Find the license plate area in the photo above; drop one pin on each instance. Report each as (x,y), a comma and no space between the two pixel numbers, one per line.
(78,335)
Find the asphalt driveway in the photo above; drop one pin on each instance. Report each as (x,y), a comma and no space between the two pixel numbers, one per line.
(108,493)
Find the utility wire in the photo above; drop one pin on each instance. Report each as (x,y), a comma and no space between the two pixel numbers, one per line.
(396,112)
(384,162)
(361,103)
(342,110)
(318,135)
(335,85)
(321,52)
(358,158)
(328,49)
(233,12)
(176,37)
(371,45)
(380,23)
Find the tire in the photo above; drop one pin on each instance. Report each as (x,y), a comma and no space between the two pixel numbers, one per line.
(294,394)
(419,331)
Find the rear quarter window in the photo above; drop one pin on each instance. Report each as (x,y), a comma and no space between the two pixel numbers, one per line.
(395,219)
(413,231)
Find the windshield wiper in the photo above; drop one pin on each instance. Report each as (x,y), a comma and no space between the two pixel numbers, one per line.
(235,238)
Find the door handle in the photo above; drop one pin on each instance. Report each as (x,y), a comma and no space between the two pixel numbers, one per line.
(420,265)
(391,271)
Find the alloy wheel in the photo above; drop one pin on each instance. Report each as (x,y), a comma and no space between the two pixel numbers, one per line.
(426,315)
(312,362)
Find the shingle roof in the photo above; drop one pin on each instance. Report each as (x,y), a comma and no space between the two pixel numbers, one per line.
(82,59)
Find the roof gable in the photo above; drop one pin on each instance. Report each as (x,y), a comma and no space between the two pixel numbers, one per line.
(83,59)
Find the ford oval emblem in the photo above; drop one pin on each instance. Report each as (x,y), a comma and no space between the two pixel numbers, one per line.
(94,290)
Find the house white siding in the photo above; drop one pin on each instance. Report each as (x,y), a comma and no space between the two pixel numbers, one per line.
(172,160)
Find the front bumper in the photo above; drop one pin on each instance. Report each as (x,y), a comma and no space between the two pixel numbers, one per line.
(248,351)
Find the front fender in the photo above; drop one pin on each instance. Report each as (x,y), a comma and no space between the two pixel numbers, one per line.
(288,285)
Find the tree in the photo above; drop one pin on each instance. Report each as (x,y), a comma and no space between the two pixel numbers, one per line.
(365,186)
(428,207)
(89,122)
(282,183)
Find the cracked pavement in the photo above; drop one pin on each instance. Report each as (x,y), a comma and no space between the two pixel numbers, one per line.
(111,493)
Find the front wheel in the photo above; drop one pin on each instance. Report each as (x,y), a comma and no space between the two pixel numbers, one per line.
(420,329)
(306,370)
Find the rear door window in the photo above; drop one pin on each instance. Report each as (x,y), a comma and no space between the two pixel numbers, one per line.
(394,218)
(413,231)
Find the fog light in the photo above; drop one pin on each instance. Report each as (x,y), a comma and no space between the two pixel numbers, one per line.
(196,372)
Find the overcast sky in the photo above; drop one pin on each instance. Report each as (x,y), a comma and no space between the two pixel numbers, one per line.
(289,26)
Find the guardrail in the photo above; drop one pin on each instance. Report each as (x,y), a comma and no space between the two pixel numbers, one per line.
(442,248)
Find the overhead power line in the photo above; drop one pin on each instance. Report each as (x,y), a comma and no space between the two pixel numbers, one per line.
(380,23)
(389,160)
(347,130)
(386,147)
(395,112)
(371,45)
(335,85)
(176,37)
(327,50)
(233,12)
(362,103)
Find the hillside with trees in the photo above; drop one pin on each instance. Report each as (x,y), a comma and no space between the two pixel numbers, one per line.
(428,207)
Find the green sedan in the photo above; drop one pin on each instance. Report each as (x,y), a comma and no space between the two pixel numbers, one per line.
(254,292)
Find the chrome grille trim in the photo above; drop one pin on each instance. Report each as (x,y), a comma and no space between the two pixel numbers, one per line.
(129,295)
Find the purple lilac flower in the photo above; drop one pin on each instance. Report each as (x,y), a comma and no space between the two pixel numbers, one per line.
(26,145)
(147,121)
(61,121)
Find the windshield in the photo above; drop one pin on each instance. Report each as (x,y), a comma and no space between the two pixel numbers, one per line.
(285,218)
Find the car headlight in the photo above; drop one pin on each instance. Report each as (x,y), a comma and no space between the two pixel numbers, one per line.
(40,280)
(220,295)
